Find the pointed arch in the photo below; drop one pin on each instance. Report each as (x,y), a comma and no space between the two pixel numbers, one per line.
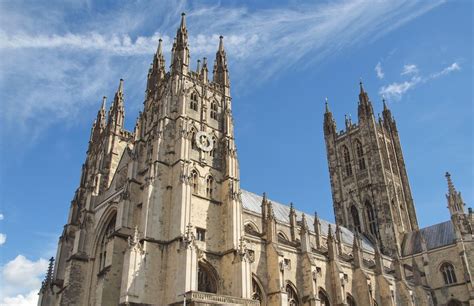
(212,153)
(347,160)
(257,290)
(355,219)
(350,300)
(282,236)
(193,139)
(323,297)
(293,299)
(372,219)
(360,154)
(251,228)
(207,277)
(448,272)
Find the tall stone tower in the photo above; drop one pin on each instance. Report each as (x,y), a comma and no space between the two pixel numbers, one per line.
(158,211)
(370,189)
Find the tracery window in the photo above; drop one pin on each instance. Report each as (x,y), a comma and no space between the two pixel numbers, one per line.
(449,275)
(214,110)
(209,186)
(360,155)
(193,104)
(347,161)
(257,294)
(355,218)
(323,297)
(372,219)
(292,296)
(206,280)
(109,229)
(194,181)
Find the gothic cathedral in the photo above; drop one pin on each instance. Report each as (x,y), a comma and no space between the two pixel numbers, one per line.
(159,217)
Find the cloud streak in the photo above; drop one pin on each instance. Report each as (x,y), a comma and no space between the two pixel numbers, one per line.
(379,71)
(58,67)
(396,90)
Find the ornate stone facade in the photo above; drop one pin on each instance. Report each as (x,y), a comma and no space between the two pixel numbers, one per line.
(159,217)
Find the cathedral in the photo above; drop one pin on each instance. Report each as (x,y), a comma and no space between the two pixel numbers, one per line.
(159,217)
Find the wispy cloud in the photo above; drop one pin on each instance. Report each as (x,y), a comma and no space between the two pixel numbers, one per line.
(3,238)
(409,70)
(379,71)
(396,90)
(56,67)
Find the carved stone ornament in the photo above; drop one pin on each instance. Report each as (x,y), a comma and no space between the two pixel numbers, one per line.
(204,141)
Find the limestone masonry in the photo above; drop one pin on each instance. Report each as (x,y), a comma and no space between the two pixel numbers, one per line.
(159,217)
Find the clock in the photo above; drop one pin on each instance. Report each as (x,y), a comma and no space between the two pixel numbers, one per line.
(203,141)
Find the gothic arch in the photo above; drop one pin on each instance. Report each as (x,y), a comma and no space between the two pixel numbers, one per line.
(250,227)
(194,180)
(207,277)
(360,154)
(355,218)
(323,297)
(350,300)
(347,161)
(448,272)
(371,219)
(107,216)
(282,235)
(257,290)
(292,293)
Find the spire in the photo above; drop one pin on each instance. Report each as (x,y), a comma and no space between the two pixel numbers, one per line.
(101,114)
(292,217)
(204,70)
(157,68)
(329,123)
(455,201)
(357,252)
(317,230)
(48,279)
(220,72)
(116,111)
(180,48)
(385,108)
(361,85)
(365,109)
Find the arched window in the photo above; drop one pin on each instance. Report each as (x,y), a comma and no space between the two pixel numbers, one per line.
(292,295)
(350,300)
(209,186)
(449,275)
(214,110)
(213,151)
(249,228)
(360,155)
(372,219)
(194,181)
(323,297)
(347,161)
(206,279)
(193,104)
(109,229)
(193,140)
(355,218)
(257,293)
(282,236)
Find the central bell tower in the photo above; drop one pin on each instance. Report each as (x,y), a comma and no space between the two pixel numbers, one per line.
(189,213)
(370,189)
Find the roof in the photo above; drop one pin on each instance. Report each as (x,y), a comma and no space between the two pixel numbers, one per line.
(435,236)
(253,202)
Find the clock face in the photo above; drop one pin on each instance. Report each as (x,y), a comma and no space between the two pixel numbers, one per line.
(203,141)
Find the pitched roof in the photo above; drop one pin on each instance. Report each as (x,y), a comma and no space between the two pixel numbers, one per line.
(253,202)
(435,236)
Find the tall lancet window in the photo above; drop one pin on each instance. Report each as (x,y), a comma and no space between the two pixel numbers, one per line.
(257,294)
(347,161)
(194,181)
(193,103)
(360,155)
(206,279)
(372,219)
(213,151)
(355,218)
(214,110)
(193,140)
(209,186)
(109,229)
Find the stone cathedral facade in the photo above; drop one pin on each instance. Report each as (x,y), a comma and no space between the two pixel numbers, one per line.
(159,217)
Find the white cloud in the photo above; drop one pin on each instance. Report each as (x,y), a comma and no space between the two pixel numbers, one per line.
(397,89)
(57,67)
(3,238)
(20,280)
(30,299)
(2,217)
(409,69)
(379,70)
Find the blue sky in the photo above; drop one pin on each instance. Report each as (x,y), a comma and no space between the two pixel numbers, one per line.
(60,57)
